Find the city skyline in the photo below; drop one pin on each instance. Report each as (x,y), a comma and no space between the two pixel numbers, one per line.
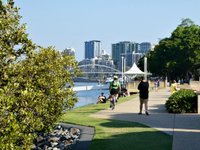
(66,24)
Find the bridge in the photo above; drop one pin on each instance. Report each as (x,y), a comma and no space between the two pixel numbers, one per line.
(98,71)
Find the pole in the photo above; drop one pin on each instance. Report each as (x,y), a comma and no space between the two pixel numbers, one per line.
(133,58)
(124,64)
(122,69)
(145,68)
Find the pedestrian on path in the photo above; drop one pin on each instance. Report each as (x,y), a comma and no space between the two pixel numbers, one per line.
(115,87)
(156,85)
(143,88)
(174,87)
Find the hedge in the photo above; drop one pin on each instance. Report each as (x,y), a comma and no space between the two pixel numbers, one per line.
(182,101)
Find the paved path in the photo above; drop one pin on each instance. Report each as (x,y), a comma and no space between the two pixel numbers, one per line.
(185,128)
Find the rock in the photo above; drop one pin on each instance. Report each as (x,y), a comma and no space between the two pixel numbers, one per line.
(40,138)
(59,127)
(59,139)
(68,142)
(53,139)
(63,138)
(74,131)
(53,144)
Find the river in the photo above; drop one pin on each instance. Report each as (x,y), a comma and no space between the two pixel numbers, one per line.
(87,96)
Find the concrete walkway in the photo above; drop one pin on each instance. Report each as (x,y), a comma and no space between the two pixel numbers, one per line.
(185,128)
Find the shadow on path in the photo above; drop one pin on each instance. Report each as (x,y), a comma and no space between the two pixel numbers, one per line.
(185,128)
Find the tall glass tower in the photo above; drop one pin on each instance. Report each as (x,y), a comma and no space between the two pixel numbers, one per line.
(145,47)
(123,49)
(92,49)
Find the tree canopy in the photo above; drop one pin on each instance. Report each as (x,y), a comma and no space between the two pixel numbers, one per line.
(177,57)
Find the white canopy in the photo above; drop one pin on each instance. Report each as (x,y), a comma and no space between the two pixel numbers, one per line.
(134,71)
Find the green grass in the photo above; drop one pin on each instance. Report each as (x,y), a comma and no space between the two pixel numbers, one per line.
(118,135)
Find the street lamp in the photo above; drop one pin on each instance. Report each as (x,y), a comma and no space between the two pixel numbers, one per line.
(122,69)
(145,68)
(133,57)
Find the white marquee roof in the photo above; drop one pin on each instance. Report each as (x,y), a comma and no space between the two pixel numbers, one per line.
(134,70)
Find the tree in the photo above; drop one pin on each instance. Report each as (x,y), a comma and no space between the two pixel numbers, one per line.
(14,40)
(178,55)
(33,91)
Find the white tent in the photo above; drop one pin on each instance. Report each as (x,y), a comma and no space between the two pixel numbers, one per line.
(134,71)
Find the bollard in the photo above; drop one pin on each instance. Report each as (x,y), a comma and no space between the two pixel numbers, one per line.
(198,103)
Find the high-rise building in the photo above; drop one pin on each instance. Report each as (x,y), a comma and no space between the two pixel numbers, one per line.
(124,49)
(92,49)
(145,47)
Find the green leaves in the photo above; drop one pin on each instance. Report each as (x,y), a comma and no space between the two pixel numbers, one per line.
(178,55)
(182,101)
(33,91)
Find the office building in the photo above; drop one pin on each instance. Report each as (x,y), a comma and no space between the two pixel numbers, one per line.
(124,49)
(92,49)
(145,47)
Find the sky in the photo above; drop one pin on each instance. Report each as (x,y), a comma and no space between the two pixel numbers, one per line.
(69,23)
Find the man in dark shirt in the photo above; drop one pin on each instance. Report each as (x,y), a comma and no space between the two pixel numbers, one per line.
(143,87)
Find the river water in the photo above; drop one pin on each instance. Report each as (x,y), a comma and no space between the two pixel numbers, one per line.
(86,97)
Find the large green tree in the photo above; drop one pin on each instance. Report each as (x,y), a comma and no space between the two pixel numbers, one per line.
(179,55)
(33,80)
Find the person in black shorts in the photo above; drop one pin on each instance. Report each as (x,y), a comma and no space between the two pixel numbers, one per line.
(143,88)
(115,87)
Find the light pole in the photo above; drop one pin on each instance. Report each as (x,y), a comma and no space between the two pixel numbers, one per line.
(145,68)
(122,69)
(133,57)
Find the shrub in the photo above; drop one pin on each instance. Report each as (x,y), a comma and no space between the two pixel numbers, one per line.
(33,82)
(34,97)
(182,101)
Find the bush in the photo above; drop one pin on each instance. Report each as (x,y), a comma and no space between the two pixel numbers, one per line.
(34,97)
(183,101)
(33,82)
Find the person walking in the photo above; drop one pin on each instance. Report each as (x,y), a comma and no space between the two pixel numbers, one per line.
(156,85)
(143,88)
(174,87)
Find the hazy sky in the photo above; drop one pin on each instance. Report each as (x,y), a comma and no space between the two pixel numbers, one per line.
(69,23)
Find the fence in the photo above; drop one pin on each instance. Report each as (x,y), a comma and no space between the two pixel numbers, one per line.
(132,86)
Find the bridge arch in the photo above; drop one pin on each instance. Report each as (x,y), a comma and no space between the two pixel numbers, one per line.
(98,69)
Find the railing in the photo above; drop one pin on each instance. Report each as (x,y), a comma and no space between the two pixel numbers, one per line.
(132,86)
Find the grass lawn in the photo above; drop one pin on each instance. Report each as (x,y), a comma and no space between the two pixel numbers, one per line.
(118,135)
